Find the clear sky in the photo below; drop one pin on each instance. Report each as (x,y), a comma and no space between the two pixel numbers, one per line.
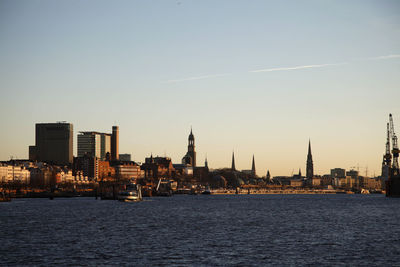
(254,77)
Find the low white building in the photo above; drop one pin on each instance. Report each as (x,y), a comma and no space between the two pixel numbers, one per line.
(11,173)
(3,173)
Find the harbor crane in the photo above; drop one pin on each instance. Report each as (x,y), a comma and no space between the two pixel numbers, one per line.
(387,158)
(395,150)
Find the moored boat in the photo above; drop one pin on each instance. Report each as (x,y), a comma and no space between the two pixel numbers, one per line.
(132,193)
(207,191)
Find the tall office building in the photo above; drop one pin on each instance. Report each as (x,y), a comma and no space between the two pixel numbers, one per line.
(89,143)
(115,143)
(54,143)
(105,145)
(94,144)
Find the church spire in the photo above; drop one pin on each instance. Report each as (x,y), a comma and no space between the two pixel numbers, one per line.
(190,157)
(206,163)
(253,167)
(310,165)
(233,162)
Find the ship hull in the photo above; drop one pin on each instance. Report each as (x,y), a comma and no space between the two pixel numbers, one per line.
(393,187)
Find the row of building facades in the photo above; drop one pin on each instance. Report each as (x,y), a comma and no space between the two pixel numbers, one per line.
(51,160)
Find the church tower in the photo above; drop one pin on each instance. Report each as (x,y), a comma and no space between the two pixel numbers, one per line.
(253,167)
(233,168)
(190,157)
(310,165)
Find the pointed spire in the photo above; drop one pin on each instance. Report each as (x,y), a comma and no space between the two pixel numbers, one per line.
(233,161)
(310,165)
(300,172)
(206,163)
(253,167)
(191,136)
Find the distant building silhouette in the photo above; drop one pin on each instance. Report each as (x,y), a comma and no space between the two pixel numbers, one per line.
(190,157)
(233,168)
(157,167)
(310,165)
(253,167)
(54,143)
(125,157)
(268,176)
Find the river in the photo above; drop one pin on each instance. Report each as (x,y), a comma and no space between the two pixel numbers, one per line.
(214,230)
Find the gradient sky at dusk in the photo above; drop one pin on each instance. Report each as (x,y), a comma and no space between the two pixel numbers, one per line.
(256,77)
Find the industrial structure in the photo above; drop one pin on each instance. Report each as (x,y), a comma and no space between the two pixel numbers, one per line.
(115,143)
(390,165)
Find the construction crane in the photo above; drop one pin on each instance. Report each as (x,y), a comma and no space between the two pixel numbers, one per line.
(388,156)
(395,150)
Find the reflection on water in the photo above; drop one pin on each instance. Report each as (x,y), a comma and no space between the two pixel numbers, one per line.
(203,230)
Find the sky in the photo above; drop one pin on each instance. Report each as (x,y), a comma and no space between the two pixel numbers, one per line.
(253,77)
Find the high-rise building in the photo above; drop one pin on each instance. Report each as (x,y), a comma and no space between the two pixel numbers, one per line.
(89,143)
(105,145)
(310,165)
(94,144)
(54,143)
(190,157)
(115,143)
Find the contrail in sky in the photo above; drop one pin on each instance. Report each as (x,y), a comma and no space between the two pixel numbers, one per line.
(282,69)
(385,57)
(298,67)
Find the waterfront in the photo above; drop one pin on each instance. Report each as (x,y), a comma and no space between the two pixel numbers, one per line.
(203,230)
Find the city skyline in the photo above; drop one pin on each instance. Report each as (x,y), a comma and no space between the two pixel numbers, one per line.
(258,78)
(232,163)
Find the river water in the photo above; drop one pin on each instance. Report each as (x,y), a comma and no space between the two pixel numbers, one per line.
(248,230)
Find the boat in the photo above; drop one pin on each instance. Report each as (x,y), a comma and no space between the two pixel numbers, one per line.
(163,189)
(365,191)
(207,191)
(132,193)
(393,186)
